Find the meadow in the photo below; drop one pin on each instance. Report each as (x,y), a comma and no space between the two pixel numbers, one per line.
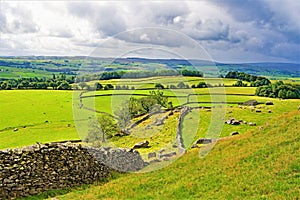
(260,164)
(51,115)
(242,166)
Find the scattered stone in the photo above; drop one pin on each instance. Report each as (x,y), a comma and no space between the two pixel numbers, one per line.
(252,124)
(16,129)
(233,121)
(46,121)
(161,151)
(203,141)
(143,144)
(268,103)
(235,133)
(167,155)
(269,111)
(258,110)
(151,155)
(250,103)
(154,161)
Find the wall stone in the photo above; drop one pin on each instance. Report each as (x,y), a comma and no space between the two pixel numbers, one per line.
(43,167)
(184,111)
(124,160)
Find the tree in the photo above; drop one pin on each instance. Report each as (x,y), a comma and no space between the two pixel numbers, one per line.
(82,85)
(102,129)
(181,85)
(64,86)
(159,86)
(98,86)
(159,97)
(53,85)
(108,87)
(123,114)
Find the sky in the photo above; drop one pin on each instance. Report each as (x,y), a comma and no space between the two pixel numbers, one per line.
(220,30)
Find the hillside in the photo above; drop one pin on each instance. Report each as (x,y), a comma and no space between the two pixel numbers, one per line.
(262,164)
(46,66)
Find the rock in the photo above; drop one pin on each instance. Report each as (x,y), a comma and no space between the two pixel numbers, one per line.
(203,141)
(269,111)
(143,144)
(258,110)
(167,155)
(161,151)
(235,133)
(151,155)
(154,161)
(16,129)
(232,121)
(235,122)
(250,103)
(268,103)
(252,124)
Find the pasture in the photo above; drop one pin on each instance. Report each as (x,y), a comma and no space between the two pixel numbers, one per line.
(52,115)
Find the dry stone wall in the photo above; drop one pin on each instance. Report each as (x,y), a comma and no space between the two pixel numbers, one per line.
(39,168)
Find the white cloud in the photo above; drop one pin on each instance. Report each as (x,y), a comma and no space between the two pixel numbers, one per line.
(237,30)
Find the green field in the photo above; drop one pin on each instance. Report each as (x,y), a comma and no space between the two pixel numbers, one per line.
(232,170)
(29,111)
(46,115)
(261,164)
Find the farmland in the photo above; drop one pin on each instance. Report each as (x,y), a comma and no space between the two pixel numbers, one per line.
(46,115)
(29,116)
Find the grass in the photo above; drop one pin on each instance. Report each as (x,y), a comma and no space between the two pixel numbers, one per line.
(32,108)
(257,165)
(39,115)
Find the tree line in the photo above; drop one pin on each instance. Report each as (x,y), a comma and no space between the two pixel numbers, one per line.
(136,74)
(57,82)
(255,81)
(279,90)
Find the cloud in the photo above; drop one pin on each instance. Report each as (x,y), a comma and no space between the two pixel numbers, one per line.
(16,20)
(210,29)
(261,29)
(104,18)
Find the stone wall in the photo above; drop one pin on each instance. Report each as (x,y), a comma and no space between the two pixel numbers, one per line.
(124,160)
(184,111)
(39,168)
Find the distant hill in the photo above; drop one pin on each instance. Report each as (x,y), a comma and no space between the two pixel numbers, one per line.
(28,66)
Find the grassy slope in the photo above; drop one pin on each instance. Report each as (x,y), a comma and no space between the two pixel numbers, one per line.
(257,165)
